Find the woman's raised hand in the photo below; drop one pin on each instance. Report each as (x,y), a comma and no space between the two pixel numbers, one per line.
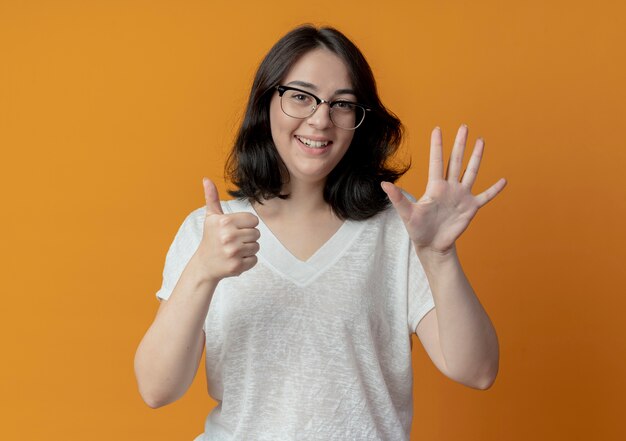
(445,210)
(229,241)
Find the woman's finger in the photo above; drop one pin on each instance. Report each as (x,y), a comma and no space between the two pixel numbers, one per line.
(469,177)
(249,249)
(435,168)
(456,157)
(402,205)
(249,235)
(491,192)
(241,220)
(248,262)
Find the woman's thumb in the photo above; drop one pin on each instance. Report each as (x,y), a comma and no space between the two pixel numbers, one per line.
(212,198)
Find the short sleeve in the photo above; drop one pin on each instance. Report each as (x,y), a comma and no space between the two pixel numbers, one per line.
(420,296)
(182,248)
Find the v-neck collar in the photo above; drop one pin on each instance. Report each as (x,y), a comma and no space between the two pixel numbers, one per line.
(276,256)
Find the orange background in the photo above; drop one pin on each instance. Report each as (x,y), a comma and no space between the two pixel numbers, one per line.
(112,111)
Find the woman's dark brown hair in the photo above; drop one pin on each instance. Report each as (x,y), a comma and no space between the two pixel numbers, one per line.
(353,187)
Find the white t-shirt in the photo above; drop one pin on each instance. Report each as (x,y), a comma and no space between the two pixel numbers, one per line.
(315,350)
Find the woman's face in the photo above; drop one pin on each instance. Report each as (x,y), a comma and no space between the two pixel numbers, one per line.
(312,147)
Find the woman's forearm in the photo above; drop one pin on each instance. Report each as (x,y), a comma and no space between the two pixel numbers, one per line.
(468,340)
(168,356)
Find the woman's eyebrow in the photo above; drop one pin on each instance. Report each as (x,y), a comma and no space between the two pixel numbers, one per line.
(303,84)
(345,91)
(315,89)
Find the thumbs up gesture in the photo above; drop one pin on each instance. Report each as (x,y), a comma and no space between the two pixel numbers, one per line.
(229,241)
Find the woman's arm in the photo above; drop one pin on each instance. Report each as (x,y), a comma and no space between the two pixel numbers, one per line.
(457,334)
(168,356)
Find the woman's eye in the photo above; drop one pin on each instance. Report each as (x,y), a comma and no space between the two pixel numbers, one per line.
(343,105)
(301,98)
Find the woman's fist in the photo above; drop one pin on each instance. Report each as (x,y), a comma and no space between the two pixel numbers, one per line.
(229,241)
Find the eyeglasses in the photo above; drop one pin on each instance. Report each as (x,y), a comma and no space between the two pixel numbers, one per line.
(297,103)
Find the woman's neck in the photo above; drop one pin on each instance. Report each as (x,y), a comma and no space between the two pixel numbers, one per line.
(303,200)
(303,222)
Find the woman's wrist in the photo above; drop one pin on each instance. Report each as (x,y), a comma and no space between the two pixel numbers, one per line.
(435,261)
(199,273)
(435,256)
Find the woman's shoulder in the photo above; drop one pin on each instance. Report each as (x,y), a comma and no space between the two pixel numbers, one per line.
(195,218)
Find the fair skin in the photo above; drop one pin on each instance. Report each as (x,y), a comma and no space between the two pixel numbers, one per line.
(457,334)
(324,74)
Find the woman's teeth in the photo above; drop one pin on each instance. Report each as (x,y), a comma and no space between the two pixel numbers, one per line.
(313,144)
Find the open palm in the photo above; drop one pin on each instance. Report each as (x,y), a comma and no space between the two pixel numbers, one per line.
(447,207)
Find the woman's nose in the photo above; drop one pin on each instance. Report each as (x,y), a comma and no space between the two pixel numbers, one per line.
(321,117)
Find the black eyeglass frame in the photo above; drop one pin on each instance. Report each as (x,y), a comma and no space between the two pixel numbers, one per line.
(282,89)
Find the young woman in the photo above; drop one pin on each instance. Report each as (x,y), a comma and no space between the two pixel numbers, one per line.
(305,289)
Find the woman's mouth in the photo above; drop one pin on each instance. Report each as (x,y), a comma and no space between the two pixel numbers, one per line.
(313,144)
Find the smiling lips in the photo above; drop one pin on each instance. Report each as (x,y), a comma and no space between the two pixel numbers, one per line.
(311,143)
